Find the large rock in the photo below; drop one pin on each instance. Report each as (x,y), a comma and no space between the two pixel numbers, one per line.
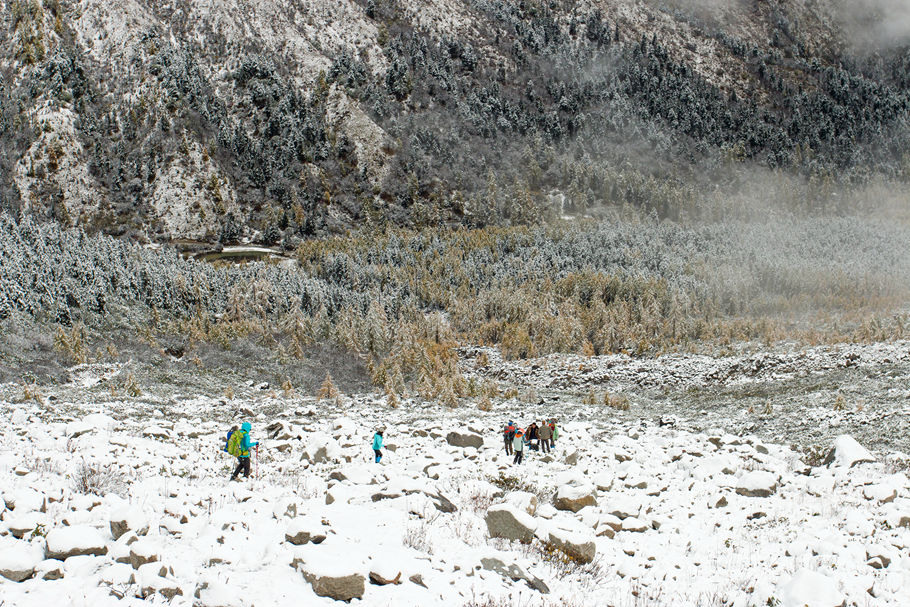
(332,578)
(511,523)
(574,498)
(847,453)
(578,546)
(78,540)
(464,439)
(18,562)
(757,484)
(811,589)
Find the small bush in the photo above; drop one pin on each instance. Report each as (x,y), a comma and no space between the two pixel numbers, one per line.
(98,479)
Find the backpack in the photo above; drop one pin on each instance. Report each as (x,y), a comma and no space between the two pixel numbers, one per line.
(227,439)
(234,443)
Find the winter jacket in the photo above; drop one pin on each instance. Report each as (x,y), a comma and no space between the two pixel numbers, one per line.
(555,432)
(544,433)
(518,443)
(377,441)
(245,444)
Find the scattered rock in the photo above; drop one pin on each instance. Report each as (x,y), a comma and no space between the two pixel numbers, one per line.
(417,578)
(378,580)
(301,531)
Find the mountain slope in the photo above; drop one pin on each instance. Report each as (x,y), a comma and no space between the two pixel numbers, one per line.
(275,120)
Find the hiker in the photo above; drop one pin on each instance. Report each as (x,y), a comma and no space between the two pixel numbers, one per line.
(377,444)
(239,446)
(545,433)
(533,436)
(518,445)
(555,430)
(508,435)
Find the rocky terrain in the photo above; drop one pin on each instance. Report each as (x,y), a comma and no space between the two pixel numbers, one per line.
(110,500)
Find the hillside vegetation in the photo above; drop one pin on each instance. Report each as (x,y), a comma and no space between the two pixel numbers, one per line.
(274,122)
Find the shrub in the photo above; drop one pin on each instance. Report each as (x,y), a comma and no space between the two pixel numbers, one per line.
(98,479)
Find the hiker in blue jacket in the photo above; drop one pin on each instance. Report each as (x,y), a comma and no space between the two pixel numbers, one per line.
(243,451)
(377,445)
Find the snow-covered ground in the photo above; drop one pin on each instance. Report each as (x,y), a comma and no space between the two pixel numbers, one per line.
(665,516)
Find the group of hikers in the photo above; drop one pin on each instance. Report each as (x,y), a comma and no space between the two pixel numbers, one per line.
(538,436)
(239,445)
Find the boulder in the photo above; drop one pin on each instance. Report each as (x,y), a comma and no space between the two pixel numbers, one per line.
(578,546)
(77,540)
(18,562)
(333,579)
(511,523)
(847,453)
(464,439)
(127,519)
(757,483)
(143,552)
(50,569)
(811,589)
(574,498)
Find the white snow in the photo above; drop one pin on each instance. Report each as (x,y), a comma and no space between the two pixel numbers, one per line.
(189,532)
(848,452)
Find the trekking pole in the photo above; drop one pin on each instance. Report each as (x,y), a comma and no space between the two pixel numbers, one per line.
(257,461)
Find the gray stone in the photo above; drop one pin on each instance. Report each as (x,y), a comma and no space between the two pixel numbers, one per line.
(464,439)
(340,588)
(515,573)
(511,523)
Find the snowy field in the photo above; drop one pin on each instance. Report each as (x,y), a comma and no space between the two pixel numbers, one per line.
(623,512)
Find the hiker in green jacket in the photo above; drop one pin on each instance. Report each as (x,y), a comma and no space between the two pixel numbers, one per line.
(239,445)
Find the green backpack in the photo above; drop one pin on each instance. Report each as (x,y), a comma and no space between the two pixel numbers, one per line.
(235,442)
